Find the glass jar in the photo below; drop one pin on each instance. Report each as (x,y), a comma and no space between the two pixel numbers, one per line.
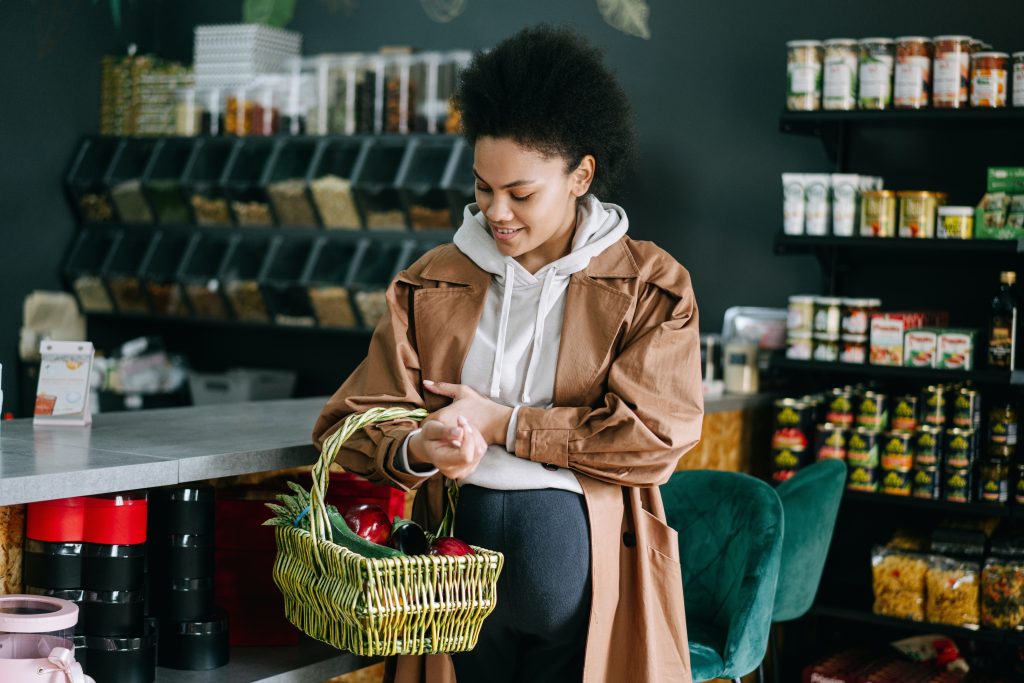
(1018,79)
(952,71)
(454,64)
(369,103)
(840,81)
(875,75)
(402,76)
(913,79)
(988,79)
(188,113)
(803,69)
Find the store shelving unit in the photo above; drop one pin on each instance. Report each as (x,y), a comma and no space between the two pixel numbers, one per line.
(857,498)
(870,619)
(987,376)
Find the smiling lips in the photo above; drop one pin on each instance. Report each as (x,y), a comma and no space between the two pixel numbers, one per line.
(505,233)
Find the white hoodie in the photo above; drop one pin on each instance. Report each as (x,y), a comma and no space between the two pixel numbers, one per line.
(514,353)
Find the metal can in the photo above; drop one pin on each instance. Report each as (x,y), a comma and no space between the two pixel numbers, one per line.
(933,406)
(994,481)
(815,406)
(956,485)
(862,447)
(917,213)
(800,315)
(825,350)
(966,410)
(854,350)
(872,411)
(1018,488)
(1002,424)
(904,413)
(857,316)
(959,448)
(928,447)
(896,451)
(791,438)
(840,408)
(830,442)
(799,347)
(828,317)
(878,214)
(863,478)
(926,483)
(895,482)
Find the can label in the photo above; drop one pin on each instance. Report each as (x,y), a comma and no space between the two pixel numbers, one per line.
(1020,490)
(863,479)
(1003,432)
(840,410)
(904,414)
(967,410)
(862,448)
(959,448)
(995,490)
(926,449)
(933,410)
(872,413)
(896,453)
(926,483)
(956,485)
(831,444)
(896,482)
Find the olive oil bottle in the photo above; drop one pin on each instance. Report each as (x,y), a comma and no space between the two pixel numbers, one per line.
(1002,330)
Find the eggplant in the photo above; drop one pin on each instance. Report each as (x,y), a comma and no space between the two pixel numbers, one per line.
(409,538)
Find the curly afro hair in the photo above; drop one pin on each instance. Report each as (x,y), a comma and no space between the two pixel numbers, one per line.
(548,90)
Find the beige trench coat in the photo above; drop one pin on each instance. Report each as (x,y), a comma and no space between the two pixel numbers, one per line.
(628,404)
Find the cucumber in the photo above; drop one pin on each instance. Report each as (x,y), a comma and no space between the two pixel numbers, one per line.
(344,536)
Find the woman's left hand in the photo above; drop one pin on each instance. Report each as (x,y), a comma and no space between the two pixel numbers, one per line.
(489,418)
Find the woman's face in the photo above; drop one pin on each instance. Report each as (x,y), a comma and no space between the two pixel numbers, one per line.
(528,199)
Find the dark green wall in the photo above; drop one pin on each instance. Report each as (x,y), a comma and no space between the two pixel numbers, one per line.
(707,89)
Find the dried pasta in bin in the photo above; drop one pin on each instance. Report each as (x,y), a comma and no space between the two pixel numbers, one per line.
(952,588)
(1002,594)
(898,579)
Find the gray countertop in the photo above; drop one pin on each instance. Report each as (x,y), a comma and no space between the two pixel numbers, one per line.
(136,450)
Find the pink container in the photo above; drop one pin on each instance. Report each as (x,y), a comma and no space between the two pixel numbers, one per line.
(37,640)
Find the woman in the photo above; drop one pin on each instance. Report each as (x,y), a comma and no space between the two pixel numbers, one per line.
(560,362)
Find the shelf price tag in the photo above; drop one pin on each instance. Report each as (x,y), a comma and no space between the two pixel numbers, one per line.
(62,396)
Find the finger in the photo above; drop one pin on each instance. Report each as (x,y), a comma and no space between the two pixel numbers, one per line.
(436,430)
(443,388)
(468,449)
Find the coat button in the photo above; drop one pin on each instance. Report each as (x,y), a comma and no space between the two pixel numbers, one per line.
(551,468)
(629,539)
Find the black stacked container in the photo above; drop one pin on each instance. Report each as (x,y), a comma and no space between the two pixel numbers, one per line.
(192,632)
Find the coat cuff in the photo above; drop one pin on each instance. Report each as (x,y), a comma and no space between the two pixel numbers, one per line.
(402,459)
(538,444)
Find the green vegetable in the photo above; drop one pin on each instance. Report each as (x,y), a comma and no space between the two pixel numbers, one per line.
(344,536)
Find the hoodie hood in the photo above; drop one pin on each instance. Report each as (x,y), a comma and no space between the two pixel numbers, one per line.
(598,226)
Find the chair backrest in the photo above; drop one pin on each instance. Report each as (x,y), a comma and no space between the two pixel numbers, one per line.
(730,541)
(810,501)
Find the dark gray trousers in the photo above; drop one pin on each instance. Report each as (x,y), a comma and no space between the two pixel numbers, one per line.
(537,633)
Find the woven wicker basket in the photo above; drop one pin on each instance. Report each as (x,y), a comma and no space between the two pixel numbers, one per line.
(417,604)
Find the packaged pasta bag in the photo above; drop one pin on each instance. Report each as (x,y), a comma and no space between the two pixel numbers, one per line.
(1002,593)
(953,588)
(898,579)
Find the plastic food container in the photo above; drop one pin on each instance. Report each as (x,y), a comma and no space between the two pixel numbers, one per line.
(162,181)
(404,82)
(31,626)
(287,297)
(913,79)
(803,69)
(85,180)
(84,267)
(240,279)
(877,57)
(955,223)
(285,180)
(374,184)
(250,205)
(336,80)
(951,71)
(123,271)
(330,182)
(201,182)
(197,645)
(378,264)
(198,277)
(124,178)
(420,180)
(161,271)
(327,285)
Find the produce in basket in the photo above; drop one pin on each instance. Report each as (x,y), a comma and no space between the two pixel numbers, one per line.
(369,522)
(448,545)
(409,538)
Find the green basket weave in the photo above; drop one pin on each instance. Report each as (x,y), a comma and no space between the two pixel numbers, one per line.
(416,604)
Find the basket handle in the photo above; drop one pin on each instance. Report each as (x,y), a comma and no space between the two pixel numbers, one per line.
(319,527)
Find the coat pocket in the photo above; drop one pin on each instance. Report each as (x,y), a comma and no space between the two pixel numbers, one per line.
(661,588)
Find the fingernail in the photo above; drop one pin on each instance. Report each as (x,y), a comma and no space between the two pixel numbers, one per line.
(427,381)
(457,443)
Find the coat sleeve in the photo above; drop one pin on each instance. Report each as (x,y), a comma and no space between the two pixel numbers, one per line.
(388,377)
(652,409)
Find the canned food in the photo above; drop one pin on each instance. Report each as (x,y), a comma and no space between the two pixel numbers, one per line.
(872,411)
(955,223)
(933,406)
(994,481)
(826,350)
(917,213)
(857,316)
(800,315)
(828,317)
(966,413)
(904,413)
(830,442)
(927,483)
(959,448)
(862,447)
(792,435)
(863,478)
(840,408)
(928,447)
(956,485)
(854,350)
(1002,424)
(896,451)
(1019,483)
(895,482)
(799,348)
(878,214)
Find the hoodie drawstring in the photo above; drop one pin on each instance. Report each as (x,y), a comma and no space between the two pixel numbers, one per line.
(538,332)
(499,347)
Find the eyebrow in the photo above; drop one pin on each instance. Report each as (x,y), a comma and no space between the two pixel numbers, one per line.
(507,186)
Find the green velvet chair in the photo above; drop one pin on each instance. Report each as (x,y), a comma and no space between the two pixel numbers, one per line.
(810,501)
(730,541)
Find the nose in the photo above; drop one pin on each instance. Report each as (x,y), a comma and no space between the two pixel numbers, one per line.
(498,210)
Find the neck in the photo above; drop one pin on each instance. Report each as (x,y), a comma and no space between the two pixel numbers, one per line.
(557,246)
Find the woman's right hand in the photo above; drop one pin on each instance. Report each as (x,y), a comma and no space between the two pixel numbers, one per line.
(454,450)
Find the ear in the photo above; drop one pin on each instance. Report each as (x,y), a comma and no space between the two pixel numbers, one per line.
(583,175)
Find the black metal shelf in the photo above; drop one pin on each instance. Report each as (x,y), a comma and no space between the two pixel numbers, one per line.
(240,325)
(867,617)
(808,122)
(804,244)
(333,234)
(926,375)
(973,509)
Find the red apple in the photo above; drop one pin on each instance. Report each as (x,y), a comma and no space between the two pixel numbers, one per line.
(447,545)
(370,522)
